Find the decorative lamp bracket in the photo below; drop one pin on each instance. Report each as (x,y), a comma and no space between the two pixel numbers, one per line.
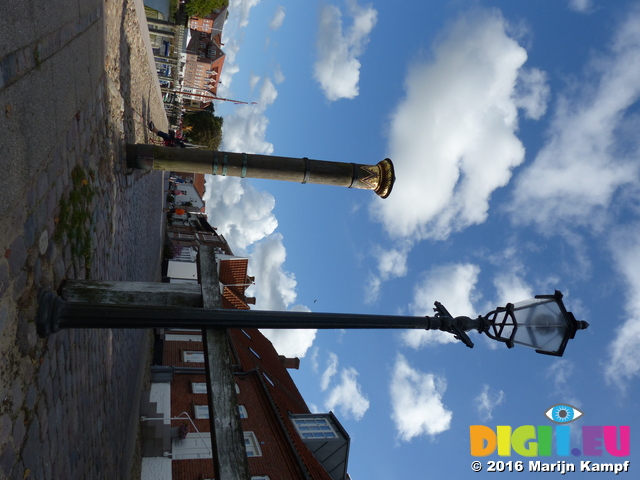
(453,325)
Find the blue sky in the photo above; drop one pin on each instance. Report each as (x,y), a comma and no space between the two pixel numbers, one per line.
(513,130)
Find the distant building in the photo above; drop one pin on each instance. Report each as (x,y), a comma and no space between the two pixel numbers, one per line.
(185,235)
(186,194)
(204,57)
(212,23)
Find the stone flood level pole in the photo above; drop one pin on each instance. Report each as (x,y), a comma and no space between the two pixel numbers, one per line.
(379,177)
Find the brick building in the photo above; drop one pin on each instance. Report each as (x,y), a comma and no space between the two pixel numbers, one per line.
(284,439)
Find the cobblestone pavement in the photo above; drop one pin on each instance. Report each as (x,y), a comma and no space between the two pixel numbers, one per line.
(76,85)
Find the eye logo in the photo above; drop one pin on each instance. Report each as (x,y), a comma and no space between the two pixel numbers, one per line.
(563,413)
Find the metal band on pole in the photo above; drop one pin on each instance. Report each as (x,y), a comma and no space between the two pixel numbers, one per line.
(307,170)
(354,175)
(225,163)
(245,160)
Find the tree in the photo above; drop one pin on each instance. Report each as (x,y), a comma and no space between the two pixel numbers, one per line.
(203,128)
(200,8)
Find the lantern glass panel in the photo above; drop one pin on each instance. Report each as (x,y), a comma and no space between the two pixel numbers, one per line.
(541,324)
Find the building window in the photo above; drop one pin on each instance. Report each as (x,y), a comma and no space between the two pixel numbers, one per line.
(201,387)
(198,387)
(254,352)
(179,337)
(201,411)
(252,445)
(243,411)
(248,336)
(193,357)
(198,445)
(260,477)
(314,427)
(268,379)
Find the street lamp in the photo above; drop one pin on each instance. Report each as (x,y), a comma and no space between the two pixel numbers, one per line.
(541,323)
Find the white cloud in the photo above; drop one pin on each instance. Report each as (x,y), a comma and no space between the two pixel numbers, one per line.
(278,76)
(372,288)
(245,131)
(623,364)
(240,212)
(332,369)
(290,343)
(314,359)
(559,373)
(274,287)
(453,138)
(582,6)
(278,19)
(453,286)
(487,400)
(338,68)
(244,216)
(532,92)
(275,290)
(416,400)
(511,288)
(254,80)
(347,397)
(241,9)
(591,139)
(392,263)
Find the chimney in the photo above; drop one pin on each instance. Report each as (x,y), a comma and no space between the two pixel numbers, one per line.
(250,300)
(291,363)
(250,279)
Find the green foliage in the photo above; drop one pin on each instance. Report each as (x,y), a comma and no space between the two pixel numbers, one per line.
(205,129)
(75,218)
(200,8)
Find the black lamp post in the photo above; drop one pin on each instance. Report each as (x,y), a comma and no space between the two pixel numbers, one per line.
(541,323)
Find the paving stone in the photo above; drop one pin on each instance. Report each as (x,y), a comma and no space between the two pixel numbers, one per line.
(19,284)
(7,458)
(5,281)
(17,255)
(25,337)
(42,185)
(19,429)
(18,471)
(29,230)
(5,428)
(32,449)
(43,242)
(4,316)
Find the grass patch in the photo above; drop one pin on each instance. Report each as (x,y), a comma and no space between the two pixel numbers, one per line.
(75,218)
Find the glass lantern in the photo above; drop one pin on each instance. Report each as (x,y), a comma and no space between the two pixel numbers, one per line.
(541,323)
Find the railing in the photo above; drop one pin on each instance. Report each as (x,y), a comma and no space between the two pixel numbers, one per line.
(180,417)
